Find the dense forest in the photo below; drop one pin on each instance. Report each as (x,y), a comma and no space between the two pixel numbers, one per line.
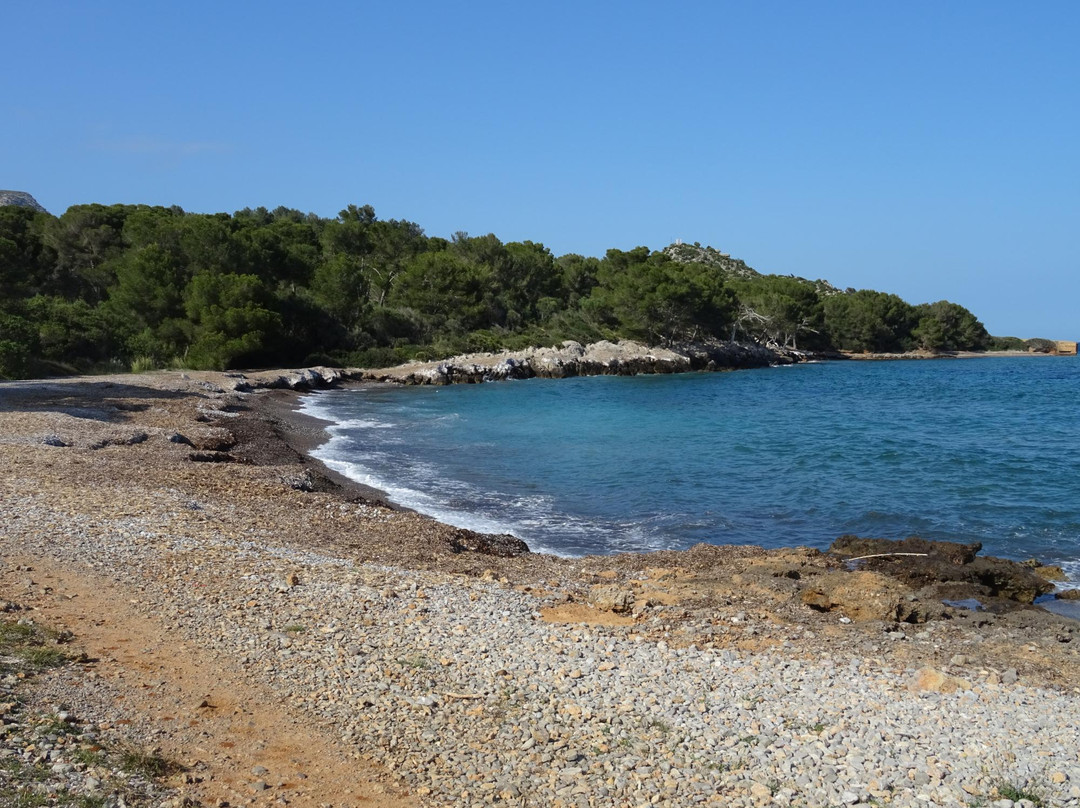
(110,287)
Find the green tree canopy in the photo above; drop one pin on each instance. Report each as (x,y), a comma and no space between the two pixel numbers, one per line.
(778,310)
(103,284)
(649,296)
(869,321)
(232,323)
(945,326)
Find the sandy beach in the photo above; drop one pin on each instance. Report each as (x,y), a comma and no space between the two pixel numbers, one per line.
(291,638)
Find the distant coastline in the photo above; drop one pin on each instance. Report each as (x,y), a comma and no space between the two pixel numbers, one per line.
(941,355)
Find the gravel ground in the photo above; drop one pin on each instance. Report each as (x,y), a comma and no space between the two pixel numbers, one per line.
(459,686)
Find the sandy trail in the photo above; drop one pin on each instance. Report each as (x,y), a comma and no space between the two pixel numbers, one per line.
(200,710)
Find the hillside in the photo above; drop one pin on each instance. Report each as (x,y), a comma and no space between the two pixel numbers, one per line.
(733,268)
(102,287)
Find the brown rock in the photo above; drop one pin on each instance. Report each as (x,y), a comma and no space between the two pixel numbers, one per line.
(611,598)
(501,545)
(853,546)
(760,792)
(1050,572)
(944,562)
(859,595)
(931,680)
(1007,579)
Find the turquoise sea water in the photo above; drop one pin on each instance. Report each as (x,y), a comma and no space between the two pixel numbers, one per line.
(963,450)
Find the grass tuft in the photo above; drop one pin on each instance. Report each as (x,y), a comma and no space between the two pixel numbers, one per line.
(28,643)
(143,364)
(149,764)
(1014,792)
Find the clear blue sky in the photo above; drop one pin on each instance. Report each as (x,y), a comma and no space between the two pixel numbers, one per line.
(931,149)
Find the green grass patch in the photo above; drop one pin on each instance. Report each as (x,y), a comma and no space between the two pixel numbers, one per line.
(89,756)
(1014,792)
(18,789)
(28,644)
(422,663)
(134,760)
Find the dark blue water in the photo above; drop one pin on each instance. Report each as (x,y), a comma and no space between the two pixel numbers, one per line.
(965,450)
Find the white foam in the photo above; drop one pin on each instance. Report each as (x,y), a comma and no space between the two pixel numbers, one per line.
(425,503)
(363,423)
(312,404)
(1071,569)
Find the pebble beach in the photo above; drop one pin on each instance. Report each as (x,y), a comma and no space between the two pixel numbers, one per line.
(450,677)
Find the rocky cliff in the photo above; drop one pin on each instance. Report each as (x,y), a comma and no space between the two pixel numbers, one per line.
(20,199)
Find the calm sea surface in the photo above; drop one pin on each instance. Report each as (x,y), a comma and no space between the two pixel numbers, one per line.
(965,450)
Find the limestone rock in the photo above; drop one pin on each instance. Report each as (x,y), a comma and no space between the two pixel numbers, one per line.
(931,680)
(20,199)
(1050,572)
(859,595)
(604,358)
(611,598)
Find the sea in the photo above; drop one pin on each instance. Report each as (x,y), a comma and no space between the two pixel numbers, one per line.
(984,449)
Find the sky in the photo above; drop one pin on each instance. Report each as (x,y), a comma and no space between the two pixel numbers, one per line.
(928,149)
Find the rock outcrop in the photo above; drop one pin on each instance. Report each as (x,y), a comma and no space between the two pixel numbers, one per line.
(625,358)
(20,199)
(944,570)
(502,545)
(862,596)
(303,379)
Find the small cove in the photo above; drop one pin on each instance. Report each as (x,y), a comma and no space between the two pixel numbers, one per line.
(968,450)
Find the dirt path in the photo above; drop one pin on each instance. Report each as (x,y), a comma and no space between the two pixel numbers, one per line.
(238,741)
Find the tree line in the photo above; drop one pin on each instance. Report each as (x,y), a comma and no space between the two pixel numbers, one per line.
(103,287)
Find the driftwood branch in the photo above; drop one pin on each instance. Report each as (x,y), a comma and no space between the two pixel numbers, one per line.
(884,555)
(463,695)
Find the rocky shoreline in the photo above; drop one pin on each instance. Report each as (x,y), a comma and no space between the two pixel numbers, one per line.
(570,359)
(625,358)
(466,671)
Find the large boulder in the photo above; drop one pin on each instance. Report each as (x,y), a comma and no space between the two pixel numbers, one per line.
(611,598)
